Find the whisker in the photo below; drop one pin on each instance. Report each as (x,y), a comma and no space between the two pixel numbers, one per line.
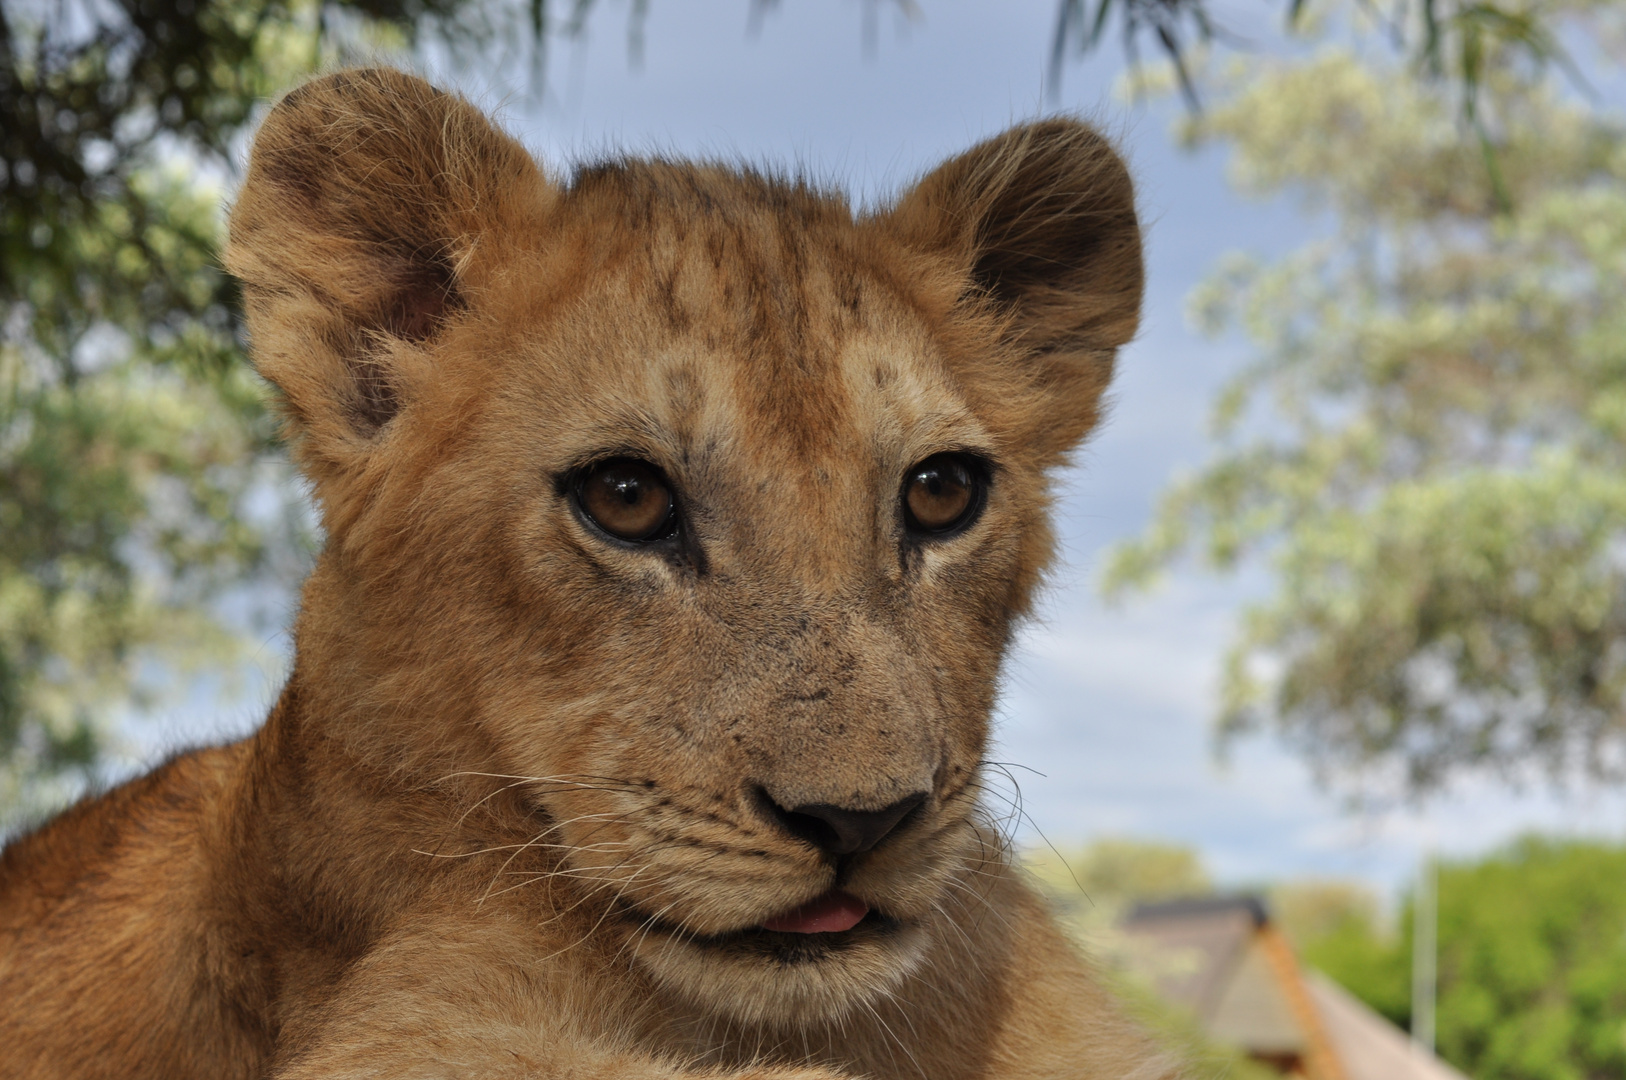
(509,847)
(895,1041)
(533,843)
(642,933)
(602,916)
(567,779)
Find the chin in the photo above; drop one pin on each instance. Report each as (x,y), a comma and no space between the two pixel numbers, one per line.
(785,980)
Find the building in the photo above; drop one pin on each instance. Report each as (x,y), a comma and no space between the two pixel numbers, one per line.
(1223,961)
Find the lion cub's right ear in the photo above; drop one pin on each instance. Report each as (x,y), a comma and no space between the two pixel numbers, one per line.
(1039,225)
(374,208)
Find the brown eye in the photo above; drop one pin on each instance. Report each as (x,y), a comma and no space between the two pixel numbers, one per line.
(941,494)
(628,499)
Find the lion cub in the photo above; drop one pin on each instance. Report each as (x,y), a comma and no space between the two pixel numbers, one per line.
(677,521)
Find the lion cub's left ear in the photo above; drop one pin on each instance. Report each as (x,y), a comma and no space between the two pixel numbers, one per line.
(1038,225)
(374,209)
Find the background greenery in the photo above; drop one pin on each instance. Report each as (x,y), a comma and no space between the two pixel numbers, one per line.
(1532,945)
(141,491)
(1532,961)
(1426,451)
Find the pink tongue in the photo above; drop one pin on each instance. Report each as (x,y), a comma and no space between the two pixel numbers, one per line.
(831,913)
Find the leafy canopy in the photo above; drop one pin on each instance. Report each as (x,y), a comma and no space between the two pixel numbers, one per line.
(134,445)
(1428,446)
(1531,938)
(1532,962)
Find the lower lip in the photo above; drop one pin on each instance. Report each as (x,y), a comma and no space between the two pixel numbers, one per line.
(833,913)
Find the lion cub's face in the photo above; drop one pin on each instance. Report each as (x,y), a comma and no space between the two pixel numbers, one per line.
(693,503)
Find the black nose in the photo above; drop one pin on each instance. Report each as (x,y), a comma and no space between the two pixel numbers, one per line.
(839,831)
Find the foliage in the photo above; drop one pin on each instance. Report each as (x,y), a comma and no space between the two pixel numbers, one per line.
(1455,43)
(1092,887)
(1532,963)
(1336,927)
(134,445)
(1120,868)
(1429,445)
(1314,910)
(1532,946)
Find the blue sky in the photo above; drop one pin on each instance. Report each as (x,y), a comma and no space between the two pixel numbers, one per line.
(1111,706)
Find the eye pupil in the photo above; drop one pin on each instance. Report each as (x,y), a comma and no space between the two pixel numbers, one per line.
(629,499)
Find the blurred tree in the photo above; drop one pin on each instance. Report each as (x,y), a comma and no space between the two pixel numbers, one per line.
(1336,927)
(1454,43)
(1429,447)
(1139,870)
(131,437)
(1313,910)
(1092,887)
(1532,963)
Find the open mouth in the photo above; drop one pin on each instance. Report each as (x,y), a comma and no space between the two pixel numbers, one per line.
(833,913)
(818,929)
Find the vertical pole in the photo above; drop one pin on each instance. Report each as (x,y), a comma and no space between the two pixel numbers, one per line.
(1424,954)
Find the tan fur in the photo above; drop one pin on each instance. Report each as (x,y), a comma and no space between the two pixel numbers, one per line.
(508,810)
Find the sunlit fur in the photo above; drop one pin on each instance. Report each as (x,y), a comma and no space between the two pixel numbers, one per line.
(507,818)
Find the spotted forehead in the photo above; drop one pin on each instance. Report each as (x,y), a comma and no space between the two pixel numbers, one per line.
(753,306)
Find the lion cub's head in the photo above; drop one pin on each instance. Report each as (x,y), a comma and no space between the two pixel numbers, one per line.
(689,495)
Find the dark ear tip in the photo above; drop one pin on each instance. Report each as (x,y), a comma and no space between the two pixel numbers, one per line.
(322,136)
(1059,127)
(371,91)
(1059,155)
(352,82)
(1063,135)
(1059,170)
(1070,144)
(1041,219)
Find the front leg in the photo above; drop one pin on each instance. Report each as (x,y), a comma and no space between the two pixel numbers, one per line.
(481,1050)
(435,1009)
